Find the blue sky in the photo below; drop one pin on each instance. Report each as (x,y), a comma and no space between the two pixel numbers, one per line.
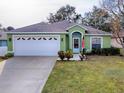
(19,13)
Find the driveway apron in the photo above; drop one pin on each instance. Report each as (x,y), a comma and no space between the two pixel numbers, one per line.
(26,74)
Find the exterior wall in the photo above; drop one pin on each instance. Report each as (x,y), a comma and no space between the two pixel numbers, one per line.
(67,42)
(75,29)
(10,43)
(106,41)
(66,39)
(63,42)
(3,47)
(3,51)
(87,42)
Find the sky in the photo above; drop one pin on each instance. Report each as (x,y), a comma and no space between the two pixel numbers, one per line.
(20,13)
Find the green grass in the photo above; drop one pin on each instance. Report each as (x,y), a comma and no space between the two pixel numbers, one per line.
(100,74)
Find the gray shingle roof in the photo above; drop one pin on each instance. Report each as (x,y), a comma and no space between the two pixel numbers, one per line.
(92,30)
(56,27)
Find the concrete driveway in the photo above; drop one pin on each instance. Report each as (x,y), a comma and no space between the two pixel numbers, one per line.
(25,74)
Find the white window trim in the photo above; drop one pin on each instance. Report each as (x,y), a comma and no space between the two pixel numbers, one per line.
(96,37)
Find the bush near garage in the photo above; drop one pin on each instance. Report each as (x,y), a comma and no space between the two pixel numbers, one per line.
(61,55)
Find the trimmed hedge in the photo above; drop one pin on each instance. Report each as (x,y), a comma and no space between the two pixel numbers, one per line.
(105,51)
(61,55)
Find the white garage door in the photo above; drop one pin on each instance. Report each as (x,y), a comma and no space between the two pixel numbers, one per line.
(36,45)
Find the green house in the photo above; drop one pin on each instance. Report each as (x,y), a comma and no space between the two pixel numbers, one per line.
(45,39)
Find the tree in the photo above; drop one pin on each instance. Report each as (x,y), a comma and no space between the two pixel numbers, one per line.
(2,28)
(64,13)
(97,18)
(116,10)
(9,28)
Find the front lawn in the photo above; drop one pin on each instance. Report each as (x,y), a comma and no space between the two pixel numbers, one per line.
(100,74)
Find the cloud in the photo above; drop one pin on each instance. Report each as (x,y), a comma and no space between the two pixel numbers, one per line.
(20,13)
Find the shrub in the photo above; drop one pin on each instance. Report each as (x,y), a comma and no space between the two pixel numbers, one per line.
(83,52)
(69,54)
(89,53)
(8,55)
(106,51)
(115,51)
(96,51)
(61,55)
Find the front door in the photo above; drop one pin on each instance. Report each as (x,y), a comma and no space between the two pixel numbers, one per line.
(76,45)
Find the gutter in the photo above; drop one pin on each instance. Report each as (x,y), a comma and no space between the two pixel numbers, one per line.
(36,32)
(98,34)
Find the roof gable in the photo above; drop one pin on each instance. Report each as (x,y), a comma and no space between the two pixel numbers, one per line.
(76,25)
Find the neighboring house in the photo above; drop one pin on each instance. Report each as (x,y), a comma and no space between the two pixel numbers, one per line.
(115,40)
(3,43)
(45,39)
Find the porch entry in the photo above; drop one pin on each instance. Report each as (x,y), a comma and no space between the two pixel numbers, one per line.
(76,44)
(76,36)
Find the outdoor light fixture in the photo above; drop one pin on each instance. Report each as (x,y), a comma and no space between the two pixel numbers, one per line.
(62,39)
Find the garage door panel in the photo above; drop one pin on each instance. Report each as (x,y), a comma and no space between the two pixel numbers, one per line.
(36,47)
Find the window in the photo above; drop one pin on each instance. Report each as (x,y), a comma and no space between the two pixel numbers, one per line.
(39,38)
(96,43)
(44,38)
(18,38)
(3,43)
(55,38)
(50,38)
(29,38)
(34,38)
(23,38)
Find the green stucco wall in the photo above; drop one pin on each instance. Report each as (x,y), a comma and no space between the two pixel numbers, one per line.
(87,42)
(106,41)
(10,43)
(67,42)
(75,29)
(63,42)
